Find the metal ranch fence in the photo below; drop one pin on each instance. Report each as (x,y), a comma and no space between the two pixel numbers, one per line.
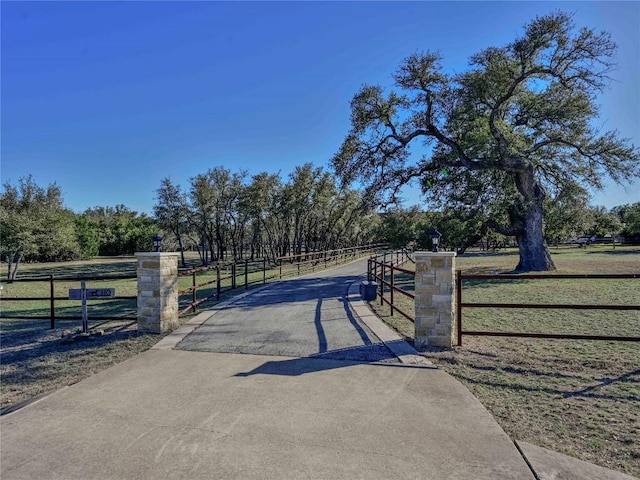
(383,269)
(210,282)
(385,266)
(460,277)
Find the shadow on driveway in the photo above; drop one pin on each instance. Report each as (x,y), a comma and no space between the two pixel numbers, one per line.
(345,357)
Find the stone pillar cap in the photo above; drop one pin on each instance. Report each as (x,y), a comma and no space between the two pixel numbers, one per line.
(435,254)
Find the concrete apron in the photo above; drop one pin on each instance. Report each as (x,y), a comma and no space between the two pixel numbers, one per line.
(191,415)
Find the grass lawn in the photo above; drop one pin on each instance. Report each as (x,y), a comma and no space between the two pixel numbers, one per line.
(581,398)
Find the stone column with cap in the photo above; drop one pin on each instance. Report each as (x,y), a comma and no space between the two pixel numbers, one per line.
(435,323)
(157,291)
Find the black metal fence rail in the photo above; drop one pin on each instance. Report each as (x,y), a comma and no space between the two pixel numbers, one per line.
(381,266)
(460,277)
(52,298)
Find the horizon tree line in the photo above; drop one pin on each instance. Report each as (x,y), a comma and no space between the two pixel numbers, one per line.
(229,216)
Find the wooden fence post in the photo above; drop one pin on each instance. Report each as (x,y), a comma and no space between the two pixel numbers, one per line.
(246,274)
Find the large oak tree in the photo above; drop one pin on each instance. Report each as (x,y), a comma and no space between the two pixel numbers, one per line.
(517,126)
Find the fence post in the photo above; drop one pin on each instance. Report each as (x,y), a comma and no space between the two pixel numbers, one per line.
(391,293)
(435,309)
(246,274)
(157,291)
(459,305)
(280,267)
(382,272)
(53,302)
(264,271)
(233,276)
(218,282)
(194,295)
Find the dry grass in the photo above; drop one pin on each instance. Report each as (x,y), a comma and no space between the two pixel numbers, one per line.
(35,362)
(577,397)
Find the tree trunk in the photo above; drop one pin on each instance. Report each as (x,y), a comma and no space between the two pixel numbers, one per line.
(534,254)
(13,262)
(9,266)
(181,247)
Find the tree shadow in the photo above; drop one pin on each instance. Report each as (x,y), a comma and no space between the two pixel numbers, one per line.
(374,354)
(468,254)
(87,269)
(616,252)
(605,382)
(587,392)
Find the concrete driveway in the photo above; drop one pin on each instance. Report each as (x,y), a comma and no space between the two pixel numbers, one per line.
(302,317)
(319,409)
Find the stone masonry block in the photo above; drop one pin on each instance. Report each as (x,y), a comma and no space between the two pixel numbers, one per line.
(439,342)
(422,267)
(428,290)
(437,262)
(426,311)
(444,275)
(441,301)
(426,279)
(151,264)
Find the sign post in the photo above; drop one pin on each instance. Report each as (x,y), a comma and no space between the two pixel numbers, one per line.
(83,293)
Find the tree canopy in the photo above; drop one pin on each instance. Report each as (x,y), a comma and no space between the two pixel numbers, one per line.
(35,225)
(498,139)
(231,215)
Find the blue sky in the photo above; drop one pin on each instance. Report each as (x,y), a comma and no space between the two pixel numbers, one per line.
(108,98)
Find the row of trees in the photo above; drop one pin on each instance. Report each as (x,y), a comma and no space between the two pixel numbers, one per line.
(563,223)
(221,214)
(36,226)
(226,214)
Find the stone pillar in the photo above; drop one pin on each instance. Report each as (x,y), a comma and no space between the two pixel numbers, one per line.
(157,291)
(435,323)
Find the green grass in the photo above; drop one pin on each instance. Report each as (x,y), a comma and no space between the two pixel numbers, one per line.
(127,287)
(581,398)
